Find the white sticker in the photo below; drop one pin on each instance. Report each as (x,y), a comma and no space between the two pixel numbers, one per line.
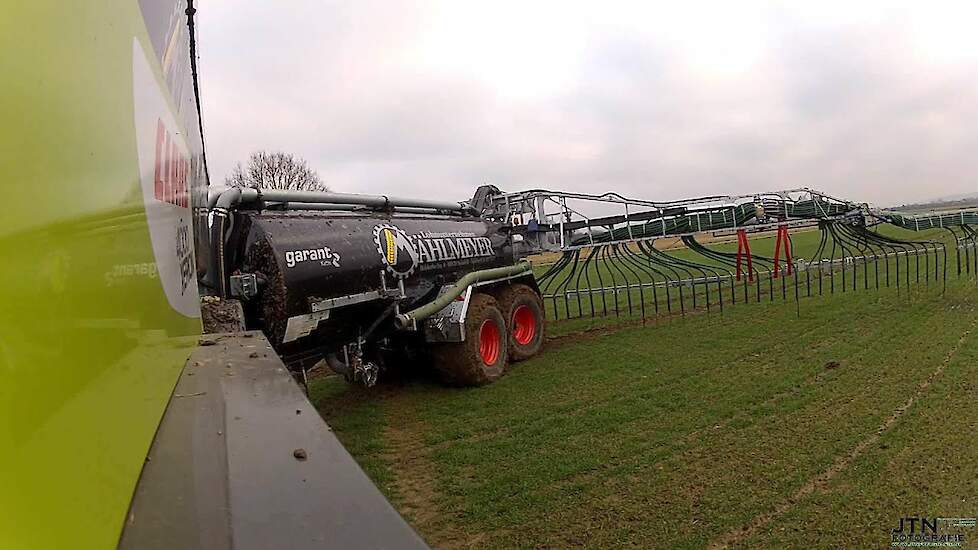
(303,325)
(164,175)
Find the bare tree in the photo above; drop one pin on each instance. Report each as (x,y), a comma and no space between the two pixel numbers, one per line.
(276,170)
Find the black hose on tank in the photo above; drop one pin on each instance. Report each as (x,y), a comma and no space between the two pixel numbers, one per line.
(338,366)
(218,266)
(217,274)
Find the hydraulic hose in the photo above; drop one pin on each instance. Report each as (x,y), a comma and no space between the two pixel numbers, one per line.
(408,319)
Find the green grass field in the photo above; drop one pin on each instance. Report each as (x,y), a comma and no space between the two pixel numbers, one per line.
(768,425)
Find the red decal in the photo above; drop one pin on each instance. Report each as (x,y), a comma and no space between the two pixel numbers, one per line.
(171,170)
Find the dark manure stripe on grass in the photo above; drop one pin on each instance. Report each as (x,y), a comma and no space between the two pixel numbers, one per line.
(820,481)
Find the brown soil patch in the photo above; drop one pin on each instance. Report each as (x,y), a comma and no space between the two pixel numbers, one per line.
(220,316)
(416,484)
(555,342)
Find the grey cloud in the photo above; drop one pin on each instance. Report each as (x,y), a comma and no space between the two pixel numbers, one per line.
(846,109)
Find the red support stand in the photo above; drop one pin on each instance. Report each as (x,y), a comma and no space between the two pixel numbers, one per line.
(743,249)
(782,240)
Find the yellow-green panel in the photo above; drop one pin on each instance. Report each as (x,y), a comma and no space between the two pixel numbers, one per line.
(90,343)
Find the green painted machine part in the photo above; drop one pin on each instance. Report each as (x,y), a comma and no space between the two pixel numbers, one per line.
(101,165)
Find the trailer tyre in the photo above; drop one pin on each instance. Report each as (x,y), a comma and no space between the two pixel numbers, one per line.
(482,357)
(523,309)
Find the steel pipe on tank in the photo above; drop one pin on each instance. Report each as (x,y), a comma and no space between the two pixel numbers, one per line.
(355,208)
(372,201)
(248,195)
(235,196)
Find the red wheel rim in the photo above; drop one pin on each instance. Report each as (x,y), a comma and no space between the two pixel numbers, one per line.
(524,325)
(489,342)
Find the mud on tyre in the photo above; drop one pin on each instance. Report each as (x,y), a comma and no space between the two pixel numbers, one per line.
(522,308)
(482,357)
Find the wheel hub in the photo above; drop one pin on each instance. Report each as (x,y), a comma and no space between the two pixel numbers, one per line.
(489,343)
(524,325)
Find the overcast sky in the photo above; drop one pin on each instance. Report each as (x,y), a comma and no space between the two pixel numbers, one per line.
(876,102)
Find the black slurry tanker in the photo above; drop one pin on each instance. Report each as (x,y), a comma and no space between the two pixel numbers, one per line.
(372,283)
